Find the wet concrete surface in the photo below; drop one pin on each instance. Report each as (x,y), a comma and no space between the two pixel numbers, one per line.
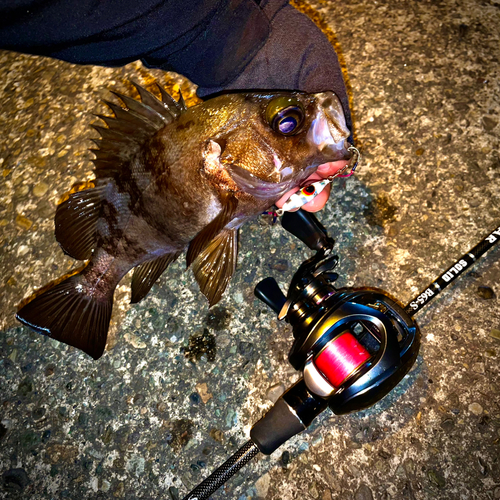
(180,385)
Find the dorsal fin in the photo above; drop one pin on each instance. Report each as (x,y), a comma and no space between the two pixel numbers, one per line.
(130,128)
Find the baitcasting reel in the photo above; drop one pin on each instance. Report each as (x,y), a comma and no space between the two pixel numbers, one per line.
(352,345)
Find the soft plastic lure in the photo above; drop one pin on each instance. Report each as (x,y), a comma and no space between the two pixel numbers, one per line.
(309,192)
(303,196)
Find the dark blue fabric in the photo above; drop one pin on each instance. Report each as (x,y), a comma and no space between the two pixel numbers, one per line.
(212,40)
(218,44)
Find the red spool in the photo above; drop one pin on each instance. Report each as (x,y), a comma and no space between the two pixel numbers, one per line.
(340,358)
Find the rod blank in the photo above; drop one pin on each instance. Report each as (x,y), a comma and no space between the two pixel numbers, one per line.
(463,264)
(230,467)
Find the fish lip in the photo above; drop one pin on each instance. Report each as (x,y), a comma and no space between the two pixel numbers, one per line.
(338,151)
(328,131)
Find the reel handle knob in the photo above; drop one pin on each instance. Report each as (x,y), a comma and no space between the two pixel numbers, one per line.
(305,226)
(270,293)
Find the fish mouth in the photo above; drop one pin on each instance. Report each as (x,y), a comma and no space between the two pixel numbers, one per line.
(328,131)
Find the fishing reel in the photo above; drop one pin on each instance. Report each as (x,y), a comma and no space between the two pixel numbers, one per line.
(352,345)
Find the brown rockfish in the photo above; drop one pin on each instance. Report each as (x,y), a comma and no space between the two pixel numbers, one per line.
(171,179)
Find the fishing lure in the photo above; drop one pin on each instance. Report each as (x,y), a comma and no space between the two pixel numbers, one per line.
(309,192)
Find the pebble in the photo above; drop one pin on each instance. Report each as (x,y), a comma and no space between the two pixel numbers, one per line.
(313,490)
(495,334)
(83,419)
(38,413)
(40,189)
(478,367)
(105,486)
(136,465)
(194,398)
(363,493)
(174,493)
(354,470)
(25,387)
(245,348)
(327,495)
(202,389)
(138,399)
(436,478)
(23,222)
(262,485)
(3,431)
(279,265)
(217,435)
(489,123)
(218,318)
(15,480)
(136,341)
(485,292)
(392,490)
(476,408)
(447,424)
(482,466)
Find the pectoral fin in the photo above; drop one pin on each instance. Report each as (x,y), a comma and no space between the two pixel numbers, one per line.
(146,275)
(76,221)
(215,265)
(208,233)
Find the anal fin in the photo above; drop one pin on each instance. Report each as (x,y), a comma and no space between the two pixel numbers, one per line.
(215,265)
(145,275)
(209,232)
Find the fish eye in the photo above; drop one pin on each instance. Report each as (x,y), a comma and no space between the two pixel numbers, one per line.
(285,115)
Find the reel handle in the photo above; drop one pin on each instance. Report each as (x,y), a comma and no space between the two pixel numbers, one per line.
(305,226)
(270,293)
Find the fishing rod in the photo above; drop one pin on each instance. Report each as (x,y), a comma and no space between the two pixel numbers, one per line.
(353,345)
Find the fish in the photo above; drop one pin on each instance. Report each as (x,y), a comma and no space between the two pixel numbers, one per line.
(171,179)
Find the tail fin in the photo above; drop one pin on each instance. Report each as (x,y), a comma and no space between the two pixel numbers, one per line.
(66,313)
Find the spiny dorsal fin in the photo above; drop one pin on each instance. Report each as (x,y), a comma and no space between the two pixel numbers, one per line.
(215,265)
(75,222)
(179,106)
(170,106)
(209,232)
(130,128)
(182,102)
(146,275)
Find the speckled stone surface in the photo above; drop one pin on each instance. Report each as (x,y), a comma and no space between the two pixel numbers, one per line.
(179,386)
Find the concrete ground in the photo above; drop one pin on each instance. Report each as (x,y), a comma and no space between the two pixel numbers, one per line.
(180,385)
